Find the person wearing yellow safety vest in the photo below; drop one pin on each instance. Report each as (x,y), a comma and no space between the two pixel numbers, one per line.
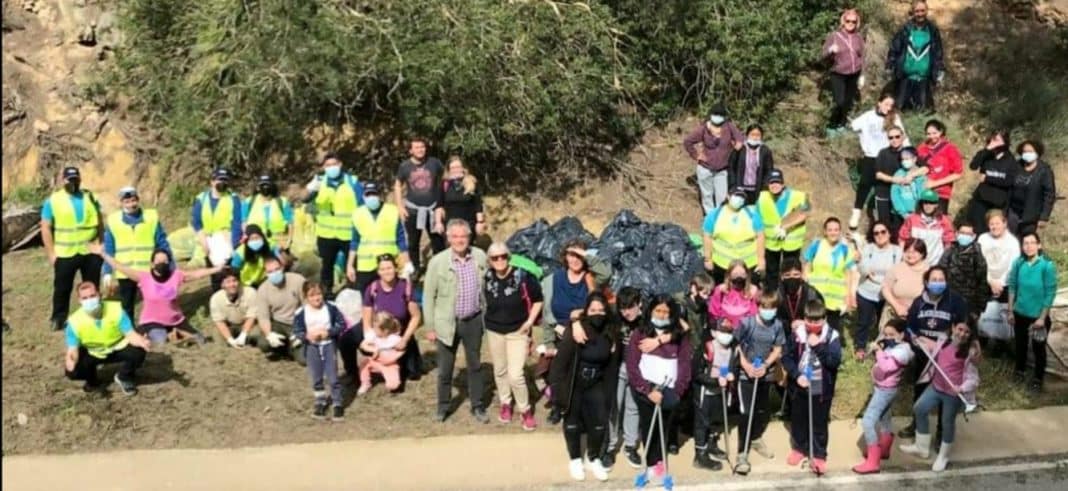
(70,220)
(130,236)
(216,217)
(831,268)
(270,211)
(733,231)
(250,258)
(376,230)
(99,333)
(783,211)
(336,195)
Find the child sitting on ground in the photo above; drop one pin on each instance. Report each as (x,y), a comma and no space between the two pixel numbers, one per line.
(892,356)
(385,351)
(317,325)
(812,356)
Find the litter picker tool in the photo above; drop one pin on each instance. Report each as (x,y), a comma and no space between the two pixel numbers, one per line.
(657,425)
(811,438)
(723,372)
(758,362)
(968,406)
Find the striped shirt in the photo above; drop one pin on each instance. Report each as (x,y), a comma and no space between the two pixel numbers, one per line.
(467,289)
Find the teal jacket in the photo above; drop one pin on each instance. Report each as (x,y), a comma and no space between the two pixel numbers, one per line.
(1033,284)
(904,196)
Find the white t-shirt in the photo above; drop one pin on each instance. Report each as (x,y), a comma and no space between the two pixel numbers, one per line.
(316,319)
(999,254)
(872,135)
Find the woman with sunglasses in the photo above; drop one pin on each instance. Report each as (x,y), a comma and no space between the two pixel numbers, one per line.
(877,257)
(845,47)
(513,304)
(393,294)
(873,129)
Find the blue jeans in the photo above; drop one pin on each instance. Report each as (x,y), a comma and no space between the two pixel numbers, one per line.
(877,417)
(931,398)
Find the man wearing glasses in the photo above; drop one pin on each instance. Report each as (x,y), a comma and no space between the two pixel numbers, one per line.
(915,60)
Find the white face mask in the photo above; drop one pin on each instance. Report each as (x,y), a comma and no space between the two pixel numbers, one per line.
(736,202)
(724,338)
(1029,157)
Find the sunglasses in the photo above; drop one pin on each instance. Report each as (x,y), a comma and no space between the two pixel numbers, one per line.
(499,257)
(881,232)
(895,137)
(850,21)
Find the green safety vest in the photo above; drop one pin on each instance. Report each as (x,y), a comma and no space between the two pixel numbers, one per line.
(220,219)
(918,54)
(828,275)
(377,236)
(267,214)
(71,237)
(334,207)
(134,243)
(771,214)
(733,237)
(100,340)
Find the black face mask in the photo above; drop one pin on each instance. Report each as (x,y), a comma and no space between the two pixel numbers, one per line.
(161,270)
(72,187)
(1000,149)
(222,188)
(738,283)
(791,285)
(597,321)
(269,190)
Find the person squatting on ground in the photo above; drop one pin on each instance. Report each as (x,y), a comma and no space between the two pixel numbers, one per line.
(384,350)
(317,325)
(784,211)
(99,333)
(710,146)
(393,294)
(892,357)
(760,337)
(1032,288)
(131,236)
(277,302)
(583,376)
(233,311)
(814,348)
(70,220)
(845,48)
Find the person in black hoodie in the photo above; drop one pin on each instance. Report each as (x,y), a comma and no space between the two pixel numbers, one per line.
(748,166)
(887,163)
(1033,192)
(997,176)
(717,350)
(584,377)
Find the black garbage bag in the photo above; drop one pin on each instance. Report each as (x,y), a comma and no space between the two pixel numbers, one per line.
(525,239)
(542,242)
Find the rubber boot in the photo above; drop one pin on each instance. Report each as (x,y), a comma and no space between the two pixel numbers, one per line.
(943,457)
(871,462)
(886,444)
(920,448)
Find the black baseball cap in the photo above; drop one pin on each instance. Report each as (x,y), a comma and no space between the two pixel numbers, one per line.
(221,174)
(71,173)
(776,176)
(371,188)
(738,191)
(265,179)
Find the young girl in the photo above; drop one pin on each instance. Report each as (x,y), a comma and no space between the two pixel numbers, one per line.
(761,336)
(812,349)
(956,358)
(385,352)
(892,356)
(718,350)
(317,325)
(736,298)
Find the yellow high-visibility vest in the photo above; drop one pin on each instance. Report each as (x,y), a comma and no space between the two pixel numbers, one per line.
(377,235)
(828,273)
(100,341)
(334,207)
(134,243)
(267,213)
(771,214)
(221,218)
(71,237)
(733,237)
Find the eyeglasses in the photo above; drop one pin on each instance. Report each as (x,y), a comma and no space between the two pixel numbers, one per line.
(499,257)
(895,137)
(849,21)
(880,232)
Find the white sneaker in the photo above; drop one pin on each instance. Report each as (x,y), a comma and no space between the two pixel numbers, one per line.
(598,470)
(575,468)
(943,457)
(920,448)
(854,219)
(240,340)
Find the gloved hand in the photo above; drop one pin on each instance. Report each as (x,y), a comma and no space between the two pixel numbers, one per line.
(407,270)
(313,186)
(860,82)
(780,233)
(233,343)
(940,77)
(275,340)
(294,342)
(240,340)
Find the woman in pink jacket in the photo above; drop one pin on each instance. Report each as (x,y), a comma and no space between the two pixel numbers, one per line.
(892,356)
(845,47)
(735,299)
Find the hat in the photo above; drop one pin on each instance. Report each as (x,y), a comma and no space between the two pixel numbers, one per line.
(929,196)
(717,110)
(775,176)
(71,173)
(265,179)
(738,191)
(371,188)
(220,174)
(128,192)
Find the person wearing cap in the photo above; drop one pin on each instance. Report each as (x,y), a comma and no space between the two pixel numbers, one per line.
(909,183)
(749,166)
(130,236)
(930,225)
(417,193)
(784,211)
(336,195)
(70,220)
(710,145)
(216,219)
(272,212)
(376,230)
(732,232)
(98,333)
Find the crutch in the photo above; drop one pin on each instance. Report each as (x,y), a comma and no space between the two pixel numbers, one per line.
(811,436)
(723,372)
(657,424)
(968,407)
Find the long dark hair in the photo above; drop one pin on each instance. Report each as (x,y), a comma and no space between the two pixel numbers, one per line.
(675,314)
(611,323)
(265,252)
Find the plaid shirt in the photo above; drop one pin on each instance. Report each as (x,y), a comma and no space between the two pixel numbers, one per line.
(467,289)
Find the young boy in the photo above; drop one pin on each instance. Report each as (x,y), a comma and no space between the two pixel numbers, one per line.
(718,350)
(813,353)
(624,423)
(760,337)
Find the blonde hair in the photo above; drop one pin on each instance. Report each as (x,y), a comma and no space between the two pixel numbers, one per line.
(470,182)
(386,322)
(846,12)
(747,291)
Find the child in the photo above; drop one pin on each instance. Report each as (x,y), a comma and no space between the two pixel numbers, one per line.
(718,349)
(817,347)
(317,325)
(385,351)
(736,298)
(892,356)
(761,336)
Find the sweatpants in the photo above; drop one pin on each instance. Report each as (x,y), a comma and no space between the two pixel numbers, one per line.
(1038,348)
(760,413)
(587,413)
(322,368)
(773,261)
(707,418)
(130,357)
(845,92)
(63,281)
(948,407)
(468,332)
(821,415)
(328,252)
(625,415)
(509,355)
(128,293)
(653,453)
(713,185)
(866,169)
(915,94)
(868,314)
(415,237)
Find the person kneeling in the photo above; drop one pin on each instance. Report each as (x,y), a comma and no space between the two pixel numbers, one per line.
(385,349)
(98,333)
(317,325)
(812,356)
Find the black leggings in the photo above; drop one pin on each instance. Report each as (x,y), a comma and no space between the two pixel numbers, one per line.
(588,413)
(845,92)
(131,358)
(328,251)
(1038,348)
(867,181)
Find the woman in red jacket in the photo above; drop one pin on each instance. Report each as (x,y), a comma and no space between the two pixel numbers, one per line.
(943,161)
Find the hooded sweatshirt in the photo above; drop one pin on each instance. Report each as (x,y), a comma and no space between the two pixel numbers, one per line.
(936,234)
(825,358)
(1000,174)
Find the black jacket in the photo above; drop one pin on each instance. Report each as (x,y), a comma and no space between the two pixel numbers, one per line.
(704,381)
(736,167)
(1000,174)
(562,371)
(1033,194)
(808,293)
(888,162)
(895,59)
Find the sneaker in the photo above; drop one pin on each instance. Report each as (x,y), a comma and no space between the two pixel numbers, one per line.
(761,449)
(574,467)
(608,461)
(58,325)
(529,423)
(320,411)
(480,415)
(743,466)
(441,415)
(819,466)
(506,414)
(363,389)
(127,387)
(701,460)
(794,458)
(716,453)
(673,449)
(598,470)
(554,416)
(633,458)
(339,414)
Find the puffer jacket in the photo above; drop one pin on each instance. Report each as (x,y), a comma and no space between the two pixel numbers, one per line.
(966,274)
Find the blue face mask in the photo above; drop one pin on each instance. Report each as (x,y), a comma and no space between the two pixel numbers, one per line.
(768,314)
(255,244)
(736,202)
(965,240)
(717,120)
(661,323)
(936,287)
(333,172)
(373,202)
(276,277)
(91,304)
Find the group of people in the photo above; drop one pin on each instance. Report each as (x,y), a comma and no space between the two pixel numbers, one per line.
(623,368)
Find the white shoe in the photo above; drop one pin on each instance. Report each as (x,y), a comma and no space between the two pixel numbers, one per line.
(575,468)
(921,447)
(598,470)
(240,340)
(943,457)
(854,219)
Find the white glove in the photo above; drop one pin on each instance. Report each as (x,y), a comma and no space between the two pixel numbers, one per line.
(941,76)
(233,343)
(833,49)
(294,342)
(313,186)
(240,340)
(780,233)
(860,82)
(275,340)
(407,271)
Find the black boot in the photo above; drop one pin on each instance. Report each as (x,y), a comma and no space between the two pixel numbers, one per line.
(713,448)
(701,460)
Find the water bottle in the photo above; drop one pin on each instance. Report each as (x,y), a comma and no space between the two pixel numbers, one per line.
(758,362)
(724,371)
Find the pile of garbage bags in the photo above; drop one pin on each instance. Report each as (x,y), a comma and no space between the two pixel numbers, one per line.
(653,257)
